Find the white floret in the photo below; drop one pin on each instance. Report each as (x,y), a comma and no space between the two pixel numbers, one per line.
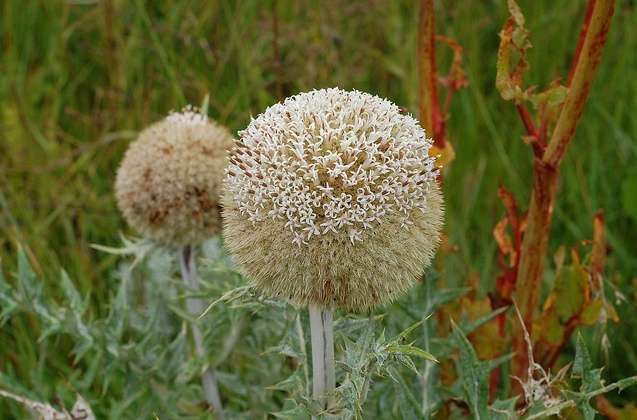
(329,160)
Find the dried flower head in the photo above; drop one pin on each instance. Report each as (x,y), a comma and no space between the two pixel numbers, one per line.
(331,199)
(169,182)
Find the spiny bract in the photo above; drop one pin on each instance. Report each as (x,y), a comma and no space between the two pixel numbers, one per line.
(331,199)
(169,181)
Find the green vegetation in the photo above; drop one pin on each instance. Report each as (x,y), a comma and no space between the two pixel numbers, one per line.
(78,79)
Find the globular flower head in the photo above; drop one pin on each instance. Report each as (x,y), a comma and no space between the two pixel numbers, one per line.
(331,199)
(169,181)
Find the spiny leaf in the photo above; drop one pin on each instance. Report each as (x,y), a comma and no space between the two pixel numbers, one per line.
(408,331)
(294,413)
(28,282)
(473,375)
(76,304)
(229,296)
(411,350)
(504,409)
(583,366)
(292,384)
(494,363)
(476,323)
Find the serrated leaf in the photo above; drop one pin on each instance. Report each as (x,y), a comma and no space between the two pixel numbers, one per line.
(473,375)
(27,279)
(582,364)
(410,397)
(471,326)
(296,413)
(411,350)
(591,378)
(504,409)
(626,382)
(403,335)
(75,302)
(494,363)
(292,384)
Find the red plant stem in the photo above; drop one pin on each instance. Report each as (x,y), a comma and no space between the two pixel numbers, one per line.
(532,131)
(545,179)
(544,128)
(429,107)
(580,41)
(587,62)
(527,120)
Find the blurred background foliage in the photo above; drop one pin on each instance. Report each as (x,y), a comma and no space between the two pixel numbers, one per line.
(79,78)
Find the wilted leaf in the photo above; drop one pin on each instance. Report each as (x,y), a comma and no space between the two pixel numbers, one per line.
(551,97)
(80,411)
(550,329)
(590,313)
(515,37)
(570,291)
(482,329)
(559,257)
(502,237)
(611,312)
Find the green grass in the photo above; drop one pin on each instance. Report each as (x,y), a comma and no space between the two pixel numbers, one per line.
(78,80)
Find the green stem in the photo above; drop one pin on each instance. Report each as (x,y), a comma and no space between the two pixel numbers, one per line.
(196,307)
(427,375)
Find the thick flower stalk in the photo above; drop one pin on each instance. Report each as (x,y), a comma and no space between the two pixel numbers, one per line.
(331,201)
(168,188)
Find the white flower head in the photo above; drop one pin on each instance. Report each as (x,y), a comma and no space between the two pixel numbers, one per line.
(329,160)
(169,182)
(331,199)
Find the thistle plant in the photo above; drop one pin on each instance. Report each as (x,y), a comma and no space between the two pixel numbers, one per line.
(167,187)
(331,202)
